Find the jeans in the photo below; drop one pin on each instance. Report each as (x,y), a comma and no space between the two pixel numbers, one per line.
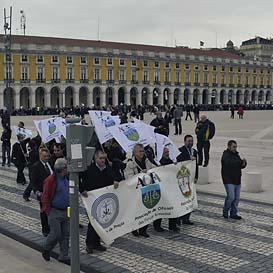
(196,117)
(5,154)
(59,232)
(200,146)
(232,199)
(188,115)
(178,126)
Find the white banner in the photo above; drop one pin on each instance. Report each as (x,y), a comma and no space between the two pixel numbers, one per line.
(102,120)
(22,131)
(129,134)
(168,192)
(161,142)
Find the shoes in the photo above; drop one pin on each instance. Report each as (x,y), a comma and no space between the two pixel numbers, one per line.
(100,247)
(159,229)
(135,233)
(174,229)
(236,217)
(45,233)
(174,134)
(205,165)
(80,226)
(89,250)
(46,255)
(187,222)
(144,234)
(199,163)
(3,165)
(8,165)
(64,260)
(26,199)
(225,215)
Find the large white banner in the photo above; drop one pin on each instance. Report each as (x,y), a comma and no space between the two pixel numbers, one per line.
(163,192)
(129,134)
(102,120)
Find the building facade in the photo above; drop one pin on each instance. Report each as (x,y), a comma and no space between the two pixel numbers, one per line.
(58,72)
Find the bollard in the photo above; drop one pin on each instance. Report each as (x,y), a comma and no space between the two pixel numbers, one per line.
(253,182)
(203,175)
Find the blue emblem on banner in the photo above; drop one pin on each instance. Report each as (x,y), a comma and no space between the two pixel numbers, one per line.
(105,209)
(150,195)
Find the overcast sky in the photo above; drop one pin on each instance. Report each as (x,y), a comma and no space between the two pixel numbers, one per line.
(158,22)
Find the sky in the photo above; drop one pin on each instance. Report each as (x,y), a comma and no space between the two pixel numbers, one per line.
(156,22)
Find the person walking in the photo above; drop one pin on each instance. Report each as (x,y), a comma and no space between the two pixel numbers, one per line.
(188,112)
(5,138)
(231,172)
(55,201)
(196,111)
(232,110)
(241,112)
(177,115)
(205,130)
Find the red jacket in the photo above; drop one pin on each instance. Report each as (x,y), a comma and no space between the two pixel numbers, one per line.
(49,189)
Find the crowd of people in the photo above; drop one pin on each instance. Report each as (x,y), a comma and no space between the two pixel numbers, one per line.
(48,174)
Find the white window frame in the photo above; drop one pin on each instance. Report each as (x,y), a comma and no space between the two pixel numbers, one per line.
(69,73)
(24,73)
(134,75)
(40,72)
(134,62)
(24,60)
(55,72)
(83,73)
(167,76)
(120,62)
(110,74)
(177,76)
(69,59)
(145,75)
(156,76)
(97,74)
(38,60)
(97,61)
(109,61)
(122,75)
(55,59)
(83,58)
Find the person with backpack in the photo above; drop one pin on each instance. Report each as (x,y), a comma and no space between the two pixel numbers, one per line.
(205,131)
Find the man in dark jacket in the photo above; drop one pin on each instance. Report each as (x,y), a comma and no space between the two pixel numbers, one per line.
(5,138)
(98,175)
(160,124)
(205,130)
(177,115)
(232,166)
(188,153)
(196,111)
(188,109)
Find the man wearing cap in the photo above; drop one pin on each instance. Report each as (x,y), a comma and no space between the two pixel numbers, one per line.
(55,200)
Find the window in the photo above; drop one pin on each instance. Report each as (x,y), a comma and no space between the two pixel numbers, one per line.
(196,67)
(187,76)
(254,71)
(214,78)
(83,73)
(254,79)
(156,64)
(223,79)
(69,60)
(97,61)
(24,75)
(262,80)
(110,61)
(167,76)
(69,73)
(40,73)
(223,68)
(214,68)
(196,77)
(146,76)
(247,80)
(145,63)
(167,65)
(246,70)
(134,75)
(239,70)
(110,74)
(231,79)
(187,66)
(177,76)
(231,69)
(83,60)
(177,65)
(206,78)
(121,62)
(9,72)
(268,71)
(96,74)
(156,76)
(8,57)
(134,62)
(54,59)
(268,80)
(55,73)
(239,79)
(40,59)
(122,75)
(262,71)
(206,67)
(24,58)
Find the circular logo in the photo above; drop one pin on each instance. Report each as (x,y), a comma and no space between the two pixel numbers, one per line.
(51,128)
(105,209)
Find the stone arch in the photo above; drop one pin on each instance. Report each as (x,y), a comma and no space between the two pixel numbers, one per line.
(222,96)
(246,97)
(133,96)
(109,96)
(145,93)
(177,96)
(268,96)
(83,95)
(24,97)
(261,97)
(238,96)
(254,96)
(166,96)
(121,95)
(68,94)
(9,95)
(196,95)
(156,96)
(40,96)
(186,96)
(230,96)
(96,96)
(214,97)
(205,96)
(55,97)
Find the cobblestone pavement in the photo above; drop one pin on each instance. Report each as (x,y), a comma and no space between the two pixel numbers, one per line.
(213,244)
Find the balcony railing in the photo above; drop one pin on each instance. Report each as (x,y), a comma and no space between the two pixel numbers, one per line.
(122,81)
(110,81)
(40,80)
(146,82)
(97,81)
(197,84)
(134,82)
(167,83)
(206,84)
(215,84)
(223,85)
(239,85)
(157,82)
(187,84)
(10,80)
(177,83)
(55,81)
(254,85)
(25,81)
(231,85)
(84,81)
(70,81)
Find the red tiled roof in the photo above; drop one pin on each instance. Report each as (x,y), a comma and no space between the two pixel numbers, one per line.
(214,52)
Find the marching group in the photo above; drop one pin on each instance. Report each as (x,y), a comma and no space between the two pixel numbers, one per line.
(48,175)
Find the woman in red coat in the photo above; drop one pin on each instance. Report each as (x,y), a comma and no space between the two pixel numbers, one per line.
(241,112)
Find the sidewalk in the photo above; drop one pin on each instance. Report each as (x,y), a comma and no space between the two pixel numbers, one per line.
(17,258)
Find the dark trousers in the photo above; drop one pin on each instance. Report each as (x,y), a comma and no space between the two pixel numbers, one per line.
(232,115)
(5,154)
(188,115)
(20,174)
(204,145)
(178,126)
(196,117)
(172,223)
(44,220)
(92,237)
(186,217)
(28,189)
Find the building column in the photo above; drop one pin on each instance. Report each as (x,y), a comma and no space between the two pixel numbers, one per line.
(138,97)
(225,98)
(233,100)
(190,97)
(180,97)
(161,97)
(103,98)
(90,102)
(32,99)
(171,97)
(241,98)
(47,99)
(61,99)
(209,97)
(76,97)
(115,97)
(127,97)
(150,98)
(199,98)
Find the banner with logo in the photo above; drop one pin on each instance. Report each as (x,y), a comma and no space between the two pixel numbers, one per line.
(129,134)
(48,129)
(102,120)
(162,192)
(22,131)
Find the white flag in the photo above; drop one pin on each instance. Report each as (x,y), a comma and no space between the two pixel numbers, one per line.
(102,120)
(22,131)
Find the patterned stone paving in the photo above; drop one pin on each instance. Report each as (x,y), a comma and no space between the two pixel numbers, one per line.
(213,244)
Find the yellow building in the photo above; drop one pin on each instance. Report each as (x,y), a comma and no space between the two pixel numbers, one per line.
(52,72)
